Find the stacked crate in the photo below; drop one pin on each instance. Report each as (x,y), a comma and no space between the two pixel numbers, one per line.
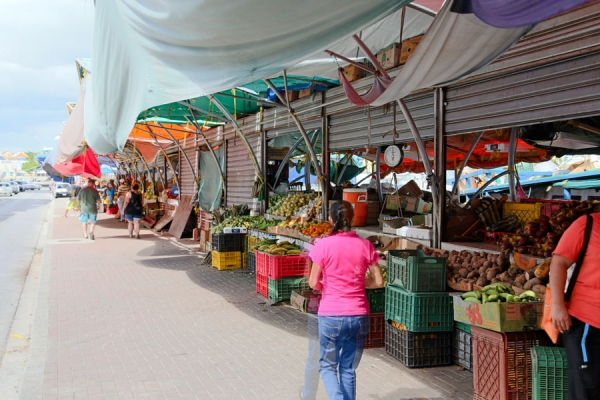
(278,275)
(376,336)
(227,251)
(418,312)
(462,347)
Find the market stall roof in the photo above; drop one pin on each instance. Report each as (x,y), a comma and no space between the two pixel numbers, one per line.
(85,165)
(143,59)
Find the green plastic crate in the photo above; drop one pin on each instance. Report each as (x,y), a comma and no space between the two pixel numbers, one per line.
(376,299)
(281,289)
(414,271)
(462,326)
(419,312)
(549,370)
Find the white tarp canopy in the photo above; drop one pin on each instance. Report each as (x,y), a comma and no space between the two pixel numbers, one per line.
(71,138)
(144,57)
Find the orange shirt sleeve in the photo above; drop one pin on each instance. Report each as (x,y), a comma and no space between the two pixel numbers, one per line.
(572,240)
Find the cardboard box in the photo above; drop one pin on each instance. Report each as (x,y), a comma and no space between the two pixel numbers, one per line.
(415,233)
(408,48)
(305,92)
(306,301)
(353,73)
(416,205)
(499,317)
(384,243)
(389,57)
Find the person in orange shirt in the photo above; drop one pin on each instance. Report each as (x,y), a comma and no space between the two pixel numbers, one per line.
(579,319)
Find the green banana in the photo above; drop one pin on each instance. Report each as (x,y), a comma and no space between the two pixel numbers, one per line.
(528,293)
(484,298)
(492,297)
(475,294)
(491,292)
(473,300)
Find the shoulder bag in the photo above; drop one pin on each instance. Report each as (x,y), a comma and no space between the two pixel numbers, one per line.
(547,325)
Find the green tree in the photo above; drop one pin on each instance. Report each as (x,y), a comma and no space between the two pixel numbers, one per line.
(31,164)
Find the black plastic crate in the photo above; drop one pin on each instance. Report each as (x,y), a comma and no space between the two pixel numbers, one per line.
(462,348)
(418,349)
(252,262)
(227,242)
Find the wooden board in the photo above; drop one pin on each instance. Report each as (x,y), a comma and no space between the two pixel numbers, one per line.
(181,216)
(162,222)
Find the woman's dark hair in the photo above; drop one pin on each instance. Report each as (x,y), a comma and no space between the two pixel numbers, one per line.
(342,213)
(135,186)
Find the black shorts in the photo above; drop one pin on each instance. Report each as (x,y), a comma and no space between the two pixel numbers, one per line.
(582,343)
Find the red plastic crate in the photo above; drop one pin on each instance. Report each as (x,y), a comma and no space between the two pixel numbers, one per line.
(502,363)
(376,337)
(262,267)
(262,284)
(286,266)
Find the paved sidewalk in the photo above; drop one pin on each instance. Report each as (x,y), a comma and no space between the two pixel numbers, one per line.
(142,319)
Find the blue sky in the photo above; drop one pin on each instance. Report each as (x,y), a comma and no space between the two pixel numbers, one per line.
(40,41)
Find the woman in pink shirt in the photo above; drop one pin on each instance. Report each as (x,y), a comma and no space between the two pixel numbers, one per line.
(340,263)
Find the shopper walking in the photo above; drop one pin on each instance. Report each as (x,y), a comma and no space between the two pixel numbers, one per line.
(122,192)
(132,207)
(340,263)
(579,319)
(88,203)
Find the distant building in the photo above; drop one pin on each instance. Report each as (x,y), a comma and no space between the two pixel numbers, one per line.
(11,165)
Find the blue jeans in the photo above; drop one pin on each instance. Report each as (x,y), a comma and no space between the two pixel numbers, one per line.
(342,340)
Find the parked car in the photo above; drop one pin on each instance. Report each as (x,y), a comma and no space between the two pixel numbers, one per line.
(32,186)
(22,184)
(16,187)
(61,189)
(6,189)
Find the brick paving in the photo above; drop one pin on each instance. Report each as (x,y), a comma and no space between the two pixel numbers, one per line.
(142,319)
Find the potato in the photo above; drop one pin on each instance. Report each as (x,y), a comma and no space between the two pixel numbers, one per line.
(504,277)
(539,289)
(495,280)
(482,271)
(513,271)
(531,283)
(500,259)
(463,272)
(482,281)
(492,272)
(520,280)
(489,257)
(473,274)
(487,264)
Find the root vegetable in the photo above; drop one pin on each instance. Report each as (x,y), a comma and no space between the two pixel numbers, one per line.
(539,289)
(503,276)
(487,264)
(473,274)
(482,281)
(513,271)
(492,272)
(482,271)
(463,272)
(495,280)
(520,280)
(531,283)
(500,259)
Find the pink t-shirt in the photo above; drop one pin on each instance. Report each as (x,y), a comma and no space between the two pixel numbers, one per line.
(344,259)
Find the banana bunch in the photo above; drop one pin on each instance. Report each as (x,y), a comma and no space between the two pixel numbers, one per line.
(284,248)
(498,293)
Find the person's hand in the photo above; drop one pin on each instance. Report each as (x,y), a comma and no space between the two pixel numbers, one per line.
(318,286)
(560,318)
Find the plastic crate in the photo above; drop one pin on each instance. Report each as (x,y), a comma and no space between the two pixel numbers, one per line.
(526,212)
(227,242)
(416,272)
(251,262)
(419,312)
(244,240)
(418,349)
(376,299)
(462,348)
(286,266)
(502,363)
(462,326)
(376,337)
(262,284)
(244,260)
(261,263)
(226,260)
(281,289)
(252,242)
(549,373)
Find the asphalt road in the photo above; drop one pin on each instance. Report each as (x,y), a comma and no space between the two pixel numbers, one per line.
(21,219)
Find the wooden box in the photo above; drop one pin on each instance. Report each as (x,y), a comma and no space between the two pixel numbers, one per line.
(353,73)
(389,57)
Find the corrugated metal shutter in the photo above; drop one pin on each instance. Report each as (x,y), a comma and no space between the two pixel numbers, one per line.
(240,170)
(549,75)
(187,176)
(349,129)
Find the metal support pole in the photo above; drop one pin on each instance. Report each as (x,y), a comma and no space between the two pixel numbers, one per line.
(439,159)
(240,134)
(210,149)
(512,152)
(378,175)
(338,178)
(464,163)
(325,161)
(181,149)
(167,160)
(265,161)
(310,148)
(422,151)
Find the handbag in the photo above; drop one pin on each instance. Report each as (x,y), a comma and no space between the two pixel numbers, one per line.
(547,324)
